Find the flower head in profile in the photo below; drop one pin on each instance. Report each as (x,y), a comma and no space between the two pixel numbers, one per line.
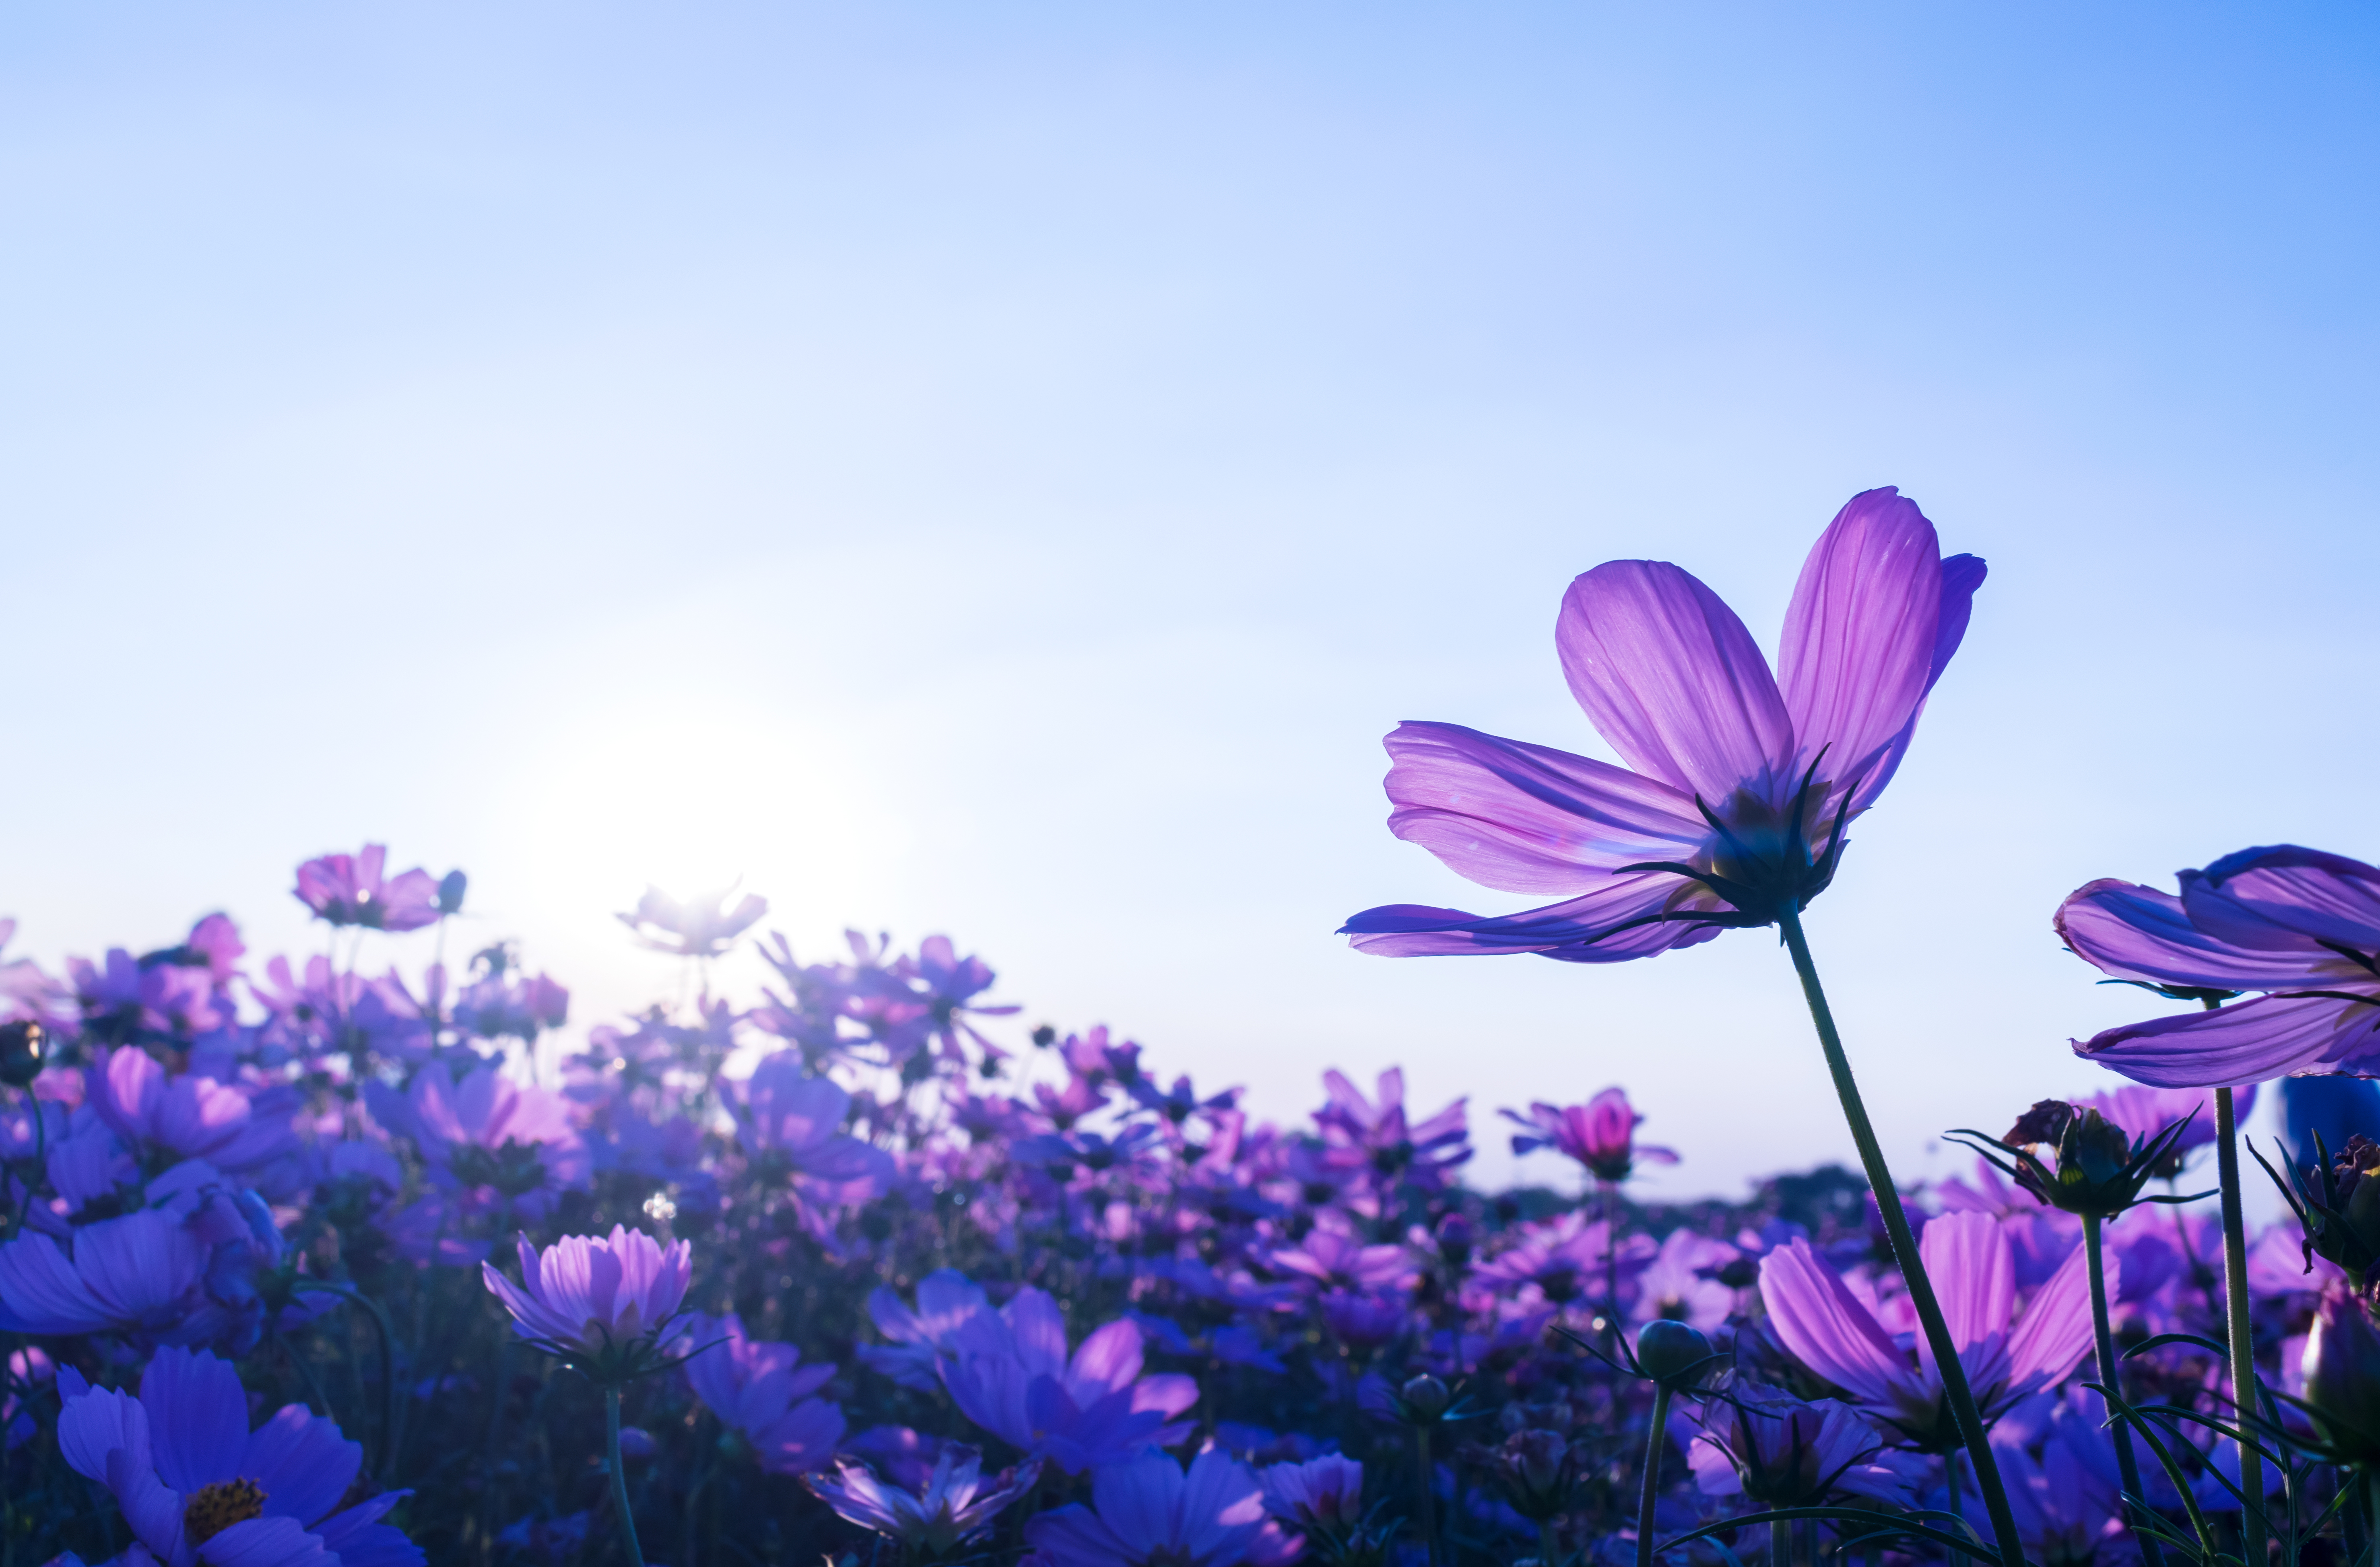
(351,891)
(1831,1330)
(2094,1166)
(602,1303)
(1145,1512)
(194,1483)
(1324,1493)
(1772,1449)
(701,926)
(1738,783)
(1599,1135)
(2301,927)
(954,1506)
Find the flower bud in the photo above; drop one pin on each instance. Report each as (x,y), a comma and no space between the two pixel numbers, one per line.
(2342,1379)
(451,888)
(1537,1472)
(24,1051)
(1424,1398)
(1672,1354)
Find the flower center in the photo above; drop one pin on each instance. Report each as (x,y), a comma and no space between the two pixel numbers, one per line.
(212,1509)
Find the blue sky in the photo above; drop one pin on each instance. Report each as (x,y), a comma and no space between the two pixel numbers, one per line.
(1001,469)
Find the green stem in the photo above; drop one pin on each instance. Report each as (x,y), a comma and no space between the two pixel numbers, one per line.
(2128,1463)
(2239,1325)
(1781,1543)
(1955,1391)
(1654,1439)
(1428,1495)
(620,1513)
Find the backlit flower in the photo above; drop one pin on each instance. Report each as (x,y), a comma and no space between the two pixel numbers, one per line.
(600,1302)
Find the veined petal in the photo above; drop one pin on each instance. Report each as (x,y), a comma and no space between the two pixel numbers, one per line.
(1528,818)
(2282,895)
(1826,1327)
(2055,1332)
(198,1417)
(1967,1257)
(1584,930)
(2250,1041)
(2138,933)
(1961,575)
(1857,655)
(1672,680)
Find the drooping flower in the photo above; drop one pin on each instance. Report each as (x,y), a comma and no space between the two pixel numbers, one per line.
(1738,784)
(761,1389)
(600,1302)
(193,1482)
(2297,924)
(1009,1372)
(351,891)
(1830,1331)
(954,1506)
(1147,1512)
(1600,1135)
(1764,1444)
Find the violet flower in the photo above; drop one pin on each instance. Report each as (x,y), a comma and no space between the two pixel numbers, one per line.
(195,1117)
(1008,1373)
(599,1303)
(1774,1450)
(1830,1331)
(1147,1512)
(2298,924)
(351,891)
(1600,1135)
(1426,1155)
(1738,784)
(701,926)
(193,1481)
(1325,1493)
(138,1274)
(954,1506)
(947,1300)
(488,1133)
(763,1390)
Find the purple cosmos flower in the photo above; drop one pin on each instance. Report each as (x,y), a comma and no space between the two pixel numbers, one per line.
(1738,784)
(189,1474)
(1680,1283)
(1145,1512)
(138,1274)
(954,1506)
(1566,1257)
(1830,1331)
(762,1389)
(350,891)
(1765,1444)
(1427,1154)
(488,1134)
(1010,1374)
(195,1117)
(786,1114)
(701,927)
(2068,1495)
(599,1301)
(1327,1494)
(1600,1134)
(1338,1261)
(2298,924)
(947,1300)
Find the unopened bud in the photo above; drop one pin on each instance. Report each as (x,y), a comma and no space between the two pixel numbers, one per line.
(1672,1354)
(24,1051)
(1536,1470)
(1424,1398)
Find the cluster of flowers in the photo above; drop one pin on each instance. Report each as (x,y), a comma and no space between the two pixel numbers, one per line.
(303,1266)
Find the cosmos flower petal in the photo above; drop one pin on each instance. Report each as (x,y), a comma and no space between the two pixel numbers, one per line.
(1528,818)
(1826,1327)
(2250,1042)
(2285,896)
(1672,680)
(1961,575)
(267,1542)
(2138,933)
(198,1417)
(1857,653)
(1975,1275)
(2056,1331)
(1141,1498)
(303,1462)
(1586,929)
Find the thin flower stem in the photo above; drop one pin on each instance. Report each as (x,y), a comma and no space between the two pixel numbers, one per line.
(1955,1391)
(620,1513)
(1654,1440)
(1781,1543)
(2239,1325)
(1429,1503)
(1549,1547)
(2128,1463)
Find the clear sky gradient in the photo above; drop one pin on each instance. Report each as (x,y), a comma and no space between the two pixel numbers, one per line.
(999,469)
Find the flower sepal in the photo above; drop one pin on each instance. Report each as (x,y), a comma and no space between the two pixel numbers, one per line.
(2098,1169)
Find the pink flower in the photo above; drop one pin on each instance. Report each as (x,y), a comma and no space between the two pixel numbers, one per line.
(1599,1134)
(348,890)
